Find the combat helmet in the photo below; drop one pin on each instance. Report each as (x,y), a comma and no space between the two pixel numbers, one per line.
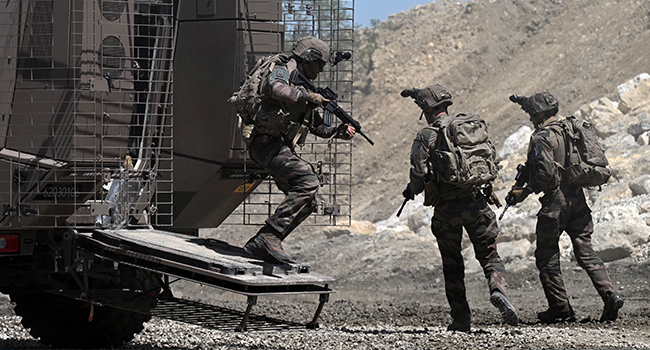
(310,49)
(542,102)
(429,97)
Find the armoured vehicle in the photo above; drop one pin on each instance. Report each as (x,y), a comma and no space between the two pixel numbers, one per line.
(117,146)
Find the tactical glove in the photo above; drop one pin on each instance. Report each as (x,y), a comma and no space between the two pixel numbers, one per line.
(316,99)
(342,132)
(517,194)
(408,194)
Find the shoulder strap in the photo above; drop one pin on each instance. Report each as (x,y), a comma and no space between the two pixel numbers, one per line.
(562,134)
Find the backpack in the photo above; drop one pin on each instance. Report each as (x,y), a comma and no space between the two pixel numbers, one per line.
(585,164)
(463,154)
(248,98)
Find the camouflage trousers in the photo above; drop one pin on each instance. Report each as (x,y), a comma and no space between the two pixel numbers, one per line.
(480,223)
(293,176)
(567,210)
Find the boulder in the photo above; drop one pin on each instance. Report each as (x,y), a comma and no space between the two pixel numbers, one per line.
(419,217)
(639,97)
(509,251)
(640,185)
(471,264)
(643,139)
(608,193)
(618,238)
(631,84)
(642,126)
(356,227)
(516,229)
(628,162)
(629,87)
(618,211)
(607,119)
(620,140)
(515,143)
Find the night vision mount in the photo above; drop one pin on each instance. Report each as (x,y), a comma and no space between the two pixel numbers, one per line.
(340,56)
(414,93)
(523,102)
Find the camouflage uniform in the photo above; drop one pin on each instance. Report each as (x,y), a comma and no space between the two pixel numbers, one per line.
(276,125)
(564,208)
(457,208)
(285,116)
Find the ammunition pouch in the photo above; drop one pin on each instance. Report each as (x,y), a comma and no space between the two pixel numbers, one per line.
(270,121)
(431,197)
(295,134)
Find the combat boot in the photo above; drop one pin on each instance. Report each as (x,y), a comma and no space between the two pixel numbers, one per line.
(612,304)
(459,325)
(251,247)
(508,312)
(557,314)
(267,246)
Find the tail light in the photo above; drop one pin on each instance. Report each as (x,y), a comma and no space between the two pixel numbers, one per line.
(9,244)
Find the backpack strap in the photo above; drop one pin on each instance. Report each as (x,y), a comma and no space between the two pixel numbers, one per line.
(431,174)
(563,136)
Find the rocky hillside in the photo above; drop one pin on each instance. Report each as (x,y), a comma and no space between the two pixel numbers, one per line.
(483,51)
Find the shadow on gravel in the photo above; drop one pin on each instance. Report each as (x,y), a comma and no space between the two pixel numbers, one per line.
(219,318)
(21,344)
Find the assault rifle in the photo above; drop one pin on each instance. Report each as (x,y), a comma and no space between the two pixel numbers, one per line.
(520,181)
(331,107)
(399,212)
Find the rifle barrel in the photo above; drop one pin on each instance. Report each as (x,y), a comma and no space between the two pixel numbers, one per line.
(366,137)
(504,210)
(399,212)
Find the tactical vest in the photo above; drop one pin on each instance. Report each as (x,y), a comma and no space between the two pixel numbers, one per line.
(291,122)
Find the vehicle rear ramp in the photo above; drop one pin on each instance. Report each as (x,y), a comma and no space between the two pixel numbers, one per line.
(206,261)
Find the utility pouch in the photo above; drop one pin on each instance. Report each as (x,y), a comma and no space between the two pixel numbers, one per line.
(295,134)
(573,172)
(270,121)
(431,197)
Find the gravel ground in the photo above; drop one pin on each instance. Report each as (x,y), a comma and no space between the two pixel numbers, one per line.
(166,334)
(410,318)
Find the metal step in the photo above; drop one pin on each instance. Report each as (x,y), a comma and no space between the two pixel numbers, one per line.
(206,261)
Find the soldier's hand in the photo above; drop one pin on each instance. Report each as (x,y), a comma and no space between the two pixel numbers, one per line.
(517,194)
(408,194)
(316,99)
(345,131)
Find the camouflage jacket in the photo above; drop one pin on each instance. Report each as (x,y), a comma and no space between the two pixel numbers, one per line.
(285,107)
(423,143)
(545,154)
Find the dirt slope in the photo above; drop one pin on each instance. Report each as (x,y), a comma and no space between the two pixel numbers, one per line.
(483,51)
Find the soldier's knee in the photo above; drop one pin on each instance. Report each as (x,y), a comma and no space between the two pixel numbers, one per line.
(312,183)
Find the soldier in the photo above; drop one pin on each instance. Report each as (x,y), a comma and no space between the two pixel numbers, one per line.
(564,208)
(282,122)
(455,208)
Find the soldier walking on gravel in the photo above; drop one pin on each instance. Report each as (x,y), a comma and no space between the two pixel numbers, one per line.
(460,200)
(564,208)
(285,116)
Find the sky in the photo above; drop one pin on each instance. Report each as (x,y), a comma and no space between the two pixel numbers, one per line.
(365,10)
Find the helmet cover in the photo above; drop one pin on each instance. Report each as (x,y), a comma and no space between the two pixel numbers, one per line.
(310,49)
(540,103)
(433,96)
